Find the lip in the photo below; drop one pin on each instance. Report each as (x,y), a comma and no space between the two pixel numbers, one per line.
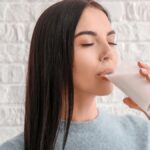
(105,72)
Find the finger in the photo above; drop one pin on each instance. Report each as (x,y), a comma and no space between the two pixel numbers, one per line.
(133,105)
(130,103)
(145,73)
(142,65)
(148,77)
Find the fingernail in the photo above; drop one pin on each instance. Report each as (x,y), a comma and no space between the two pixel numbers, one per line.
(144,71)
(141,62)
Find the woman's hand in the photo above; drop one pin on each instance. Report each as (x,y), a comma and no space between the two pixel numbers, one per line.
(145,72)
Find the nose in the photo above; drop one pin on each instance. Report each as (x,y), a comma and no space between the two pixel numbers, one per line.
(105,56)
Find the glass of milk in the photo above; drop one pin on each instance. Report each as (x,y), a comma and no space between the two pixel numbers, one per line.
(128,79)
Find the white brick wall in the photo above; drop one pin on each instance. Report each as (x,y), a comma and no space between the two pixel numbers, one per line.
(130,18)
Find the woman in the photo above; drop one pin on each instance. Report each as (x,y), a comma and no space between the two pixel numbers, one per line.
(73,42)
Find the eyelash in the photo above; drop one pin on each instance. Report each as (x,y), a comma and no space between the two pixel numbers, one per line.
(112,43)
(90,44)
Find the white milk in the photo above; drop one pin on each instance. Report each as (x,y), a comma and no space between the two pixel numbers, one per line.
(128,79)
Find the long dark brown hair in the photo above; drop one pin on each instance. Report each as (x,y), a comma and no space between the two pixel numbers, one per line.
(49,73)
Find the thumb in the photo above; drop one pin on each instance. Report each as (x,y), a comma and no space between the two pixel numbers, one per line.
(128,101)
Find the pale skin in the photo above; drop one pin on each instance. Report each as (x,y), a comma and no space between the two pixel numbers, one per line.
(94,52)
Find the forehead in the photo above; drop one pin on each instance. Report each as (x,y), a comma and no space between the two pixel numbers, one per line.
(93,19)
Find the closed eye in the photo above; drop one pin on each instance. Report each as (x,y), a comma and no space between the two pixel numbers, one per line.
(90,44)
(87,44)
(111,43)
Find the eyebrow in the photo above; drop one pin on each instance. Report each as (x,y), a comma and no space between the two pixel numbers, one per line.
(93,33)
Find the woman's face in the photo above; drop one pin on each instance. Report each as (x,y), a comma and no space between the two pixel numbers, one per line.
(94,52)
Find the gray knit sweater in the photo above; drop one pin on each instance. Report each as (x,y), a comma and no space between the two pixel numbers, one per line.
(106,132)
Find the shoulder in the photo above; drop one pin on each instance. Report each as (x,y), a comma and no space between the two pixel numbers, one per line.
(129,123)
(128,119)
(134,120)
(133,124)
(15,143)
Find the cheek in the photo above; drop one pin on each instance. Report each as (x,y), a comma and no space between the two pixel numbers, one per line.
(84,60)
(83,81)
(115,57)
(83,69)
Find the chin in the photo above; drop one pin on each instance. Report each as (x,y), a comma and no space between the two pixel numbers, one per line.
(106,91)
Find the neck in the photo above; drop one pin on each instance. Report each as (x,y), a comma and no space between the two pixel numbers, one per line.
(84,108)
(84,111)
